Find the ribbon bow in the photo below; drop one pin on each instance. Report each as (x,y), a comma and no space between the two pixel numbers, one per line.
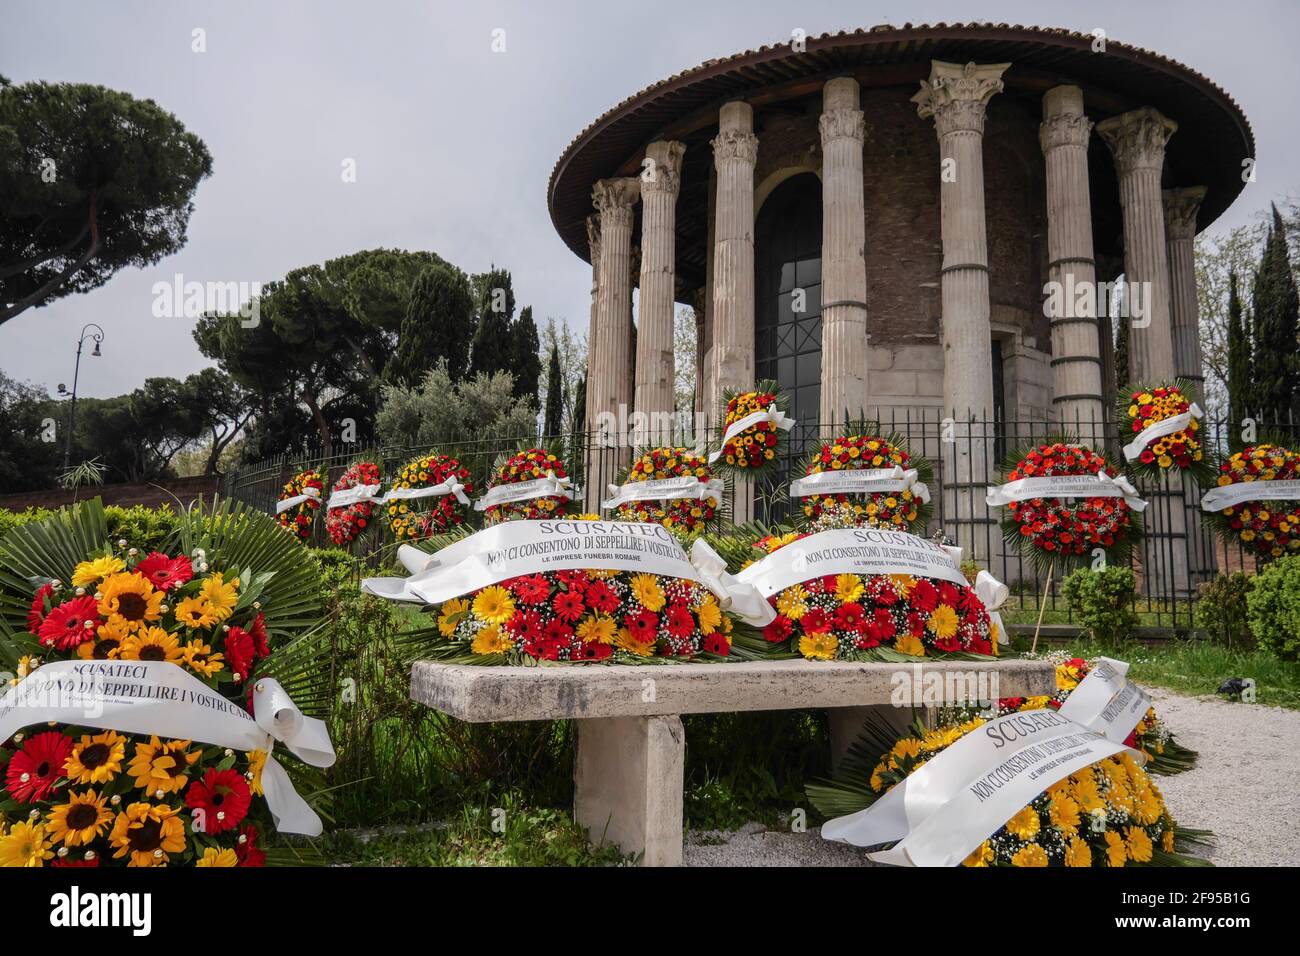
(772,415)
(451,486)
(354,495)
(560,486)
(738,596)
(993,594)
(306,738)
(287,503)
(911,481)
(1126,489)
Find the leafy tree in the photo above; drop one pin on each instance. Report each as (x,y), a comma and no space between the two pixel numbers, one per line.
(554,420)
(222,407)
(1275,309)
(91,181)
(1218,259)
(1240,377)
(28,459)
(494,298)
(439,323)
(136,436)
(525,364)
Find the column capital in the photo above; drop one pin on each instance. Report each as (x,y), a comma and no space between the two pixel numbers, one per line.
(1137,138)
(614,199)
(1064,129)
(662,170)
(1181,207)
(735,144)
(956,95)
(841,124)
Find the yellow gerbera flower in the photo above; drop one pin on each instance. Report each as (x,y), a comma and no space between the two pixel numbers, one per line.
(1077,853)
(193,612)
(200,658)
(149,833)
(220,595)
(792,602)
(1138,845)
(943,622)
(26,844)
(1064,814)
(1024,824)
(982,855)
(129,601)
(90,572)
(494,605)
(1031,854)
(597,628)
(214,857)
(818,646)
(256,761)
(158,766)
(453,612)
(152,644)
(1115,853)
(491,640)
(710,615)
(848,587)
(80,820)
(625,641)
(903,584)
(646,590)
(96,759)
(909,644)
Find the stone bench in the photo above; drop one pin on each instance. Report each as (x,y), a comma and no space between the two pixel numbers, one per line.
(628,775)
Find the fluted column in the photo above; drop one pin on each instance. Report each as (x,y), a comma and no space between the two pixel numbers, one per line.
(654,338)
(1181,207)
(609,382)
(1137,141)
(844,264)
(956,96)
(1072,273)
(593,243)
(735,149)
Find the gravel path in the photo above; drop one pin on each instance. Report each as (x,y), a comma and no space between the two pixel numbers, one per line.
(1245,787)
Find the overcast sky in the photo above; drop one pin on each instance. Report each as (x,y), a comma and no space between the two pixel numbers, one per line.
(453,143)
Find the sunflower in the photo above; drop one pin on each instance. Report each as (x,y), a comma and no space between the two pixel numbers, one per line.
(200,658)
(149,833)
(195,612)
(214,857)
(96,759)
(26,844)
(158,766)
(129,600)
(494,605)
(646,591)
(220,596)
(152,644)
(90,572)
(107,646)
(80,820)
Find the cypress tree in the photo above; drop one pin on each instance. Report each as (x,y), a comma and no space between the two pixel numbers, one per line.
(525,364)
(439,323)
(554,420)
(1240,379)
(494,307)
(1276,311)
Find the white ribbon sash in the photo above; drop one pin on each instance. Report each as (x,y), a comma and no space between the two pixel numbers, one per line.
(309,495)
(993,594)
(544,487)
(346,497)
(449,487)
(515,548)
(1229,496)
(1160,429)
(772,414)
(953,802)
(160,698)
(860,482)
(851,551)
(1100,485)
(663,489)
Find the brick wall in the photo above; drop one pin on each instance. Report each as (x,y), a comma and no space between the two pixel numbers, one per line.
(126,495)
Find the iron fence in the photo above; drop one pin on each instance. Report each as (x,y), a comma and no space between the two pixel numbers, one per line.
(1177,553)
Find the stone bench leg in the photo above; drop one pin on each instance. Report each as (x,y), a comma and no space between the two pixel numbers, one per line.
(627,784)
(847,723)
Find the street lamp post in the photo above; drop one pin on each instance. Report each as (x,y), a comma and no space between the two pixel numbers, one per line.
(98,336)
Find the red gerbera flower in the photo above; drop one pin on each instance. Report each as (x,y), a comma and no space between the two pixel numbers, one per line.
(165,573)
(239,651)
(568,605)
(715,643)
(223,798)
(65,626)
(37,614)
(258,632)
(531,589)
(525,625)
(34,770)
(925,596)
(849,617)
(815,621)
(779,630)
(642,625)
(246,848)
(69,861)
(573,579)
(600,597)
(557,631)
(680,623)
(591,651)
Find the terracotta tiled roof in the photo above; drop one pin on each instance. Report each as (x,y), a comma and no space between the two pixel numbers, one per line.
(1122,77)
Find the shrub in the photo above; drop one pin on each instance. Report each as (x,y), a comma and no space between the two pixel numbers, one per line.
(1102,602)
(1273,608)
(1221,610)
(143,527)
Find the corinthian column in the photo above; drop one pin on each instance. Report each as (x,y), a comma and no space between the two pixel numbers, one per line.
(654,338)
(1137,141)
(1181,207)
(608,384)
(844,264)
(1071,272)
(956,96)
(593,243)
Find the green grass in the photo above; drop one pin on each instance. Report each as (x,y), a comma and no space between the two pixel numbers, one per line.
(1199,667)
(509,834)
